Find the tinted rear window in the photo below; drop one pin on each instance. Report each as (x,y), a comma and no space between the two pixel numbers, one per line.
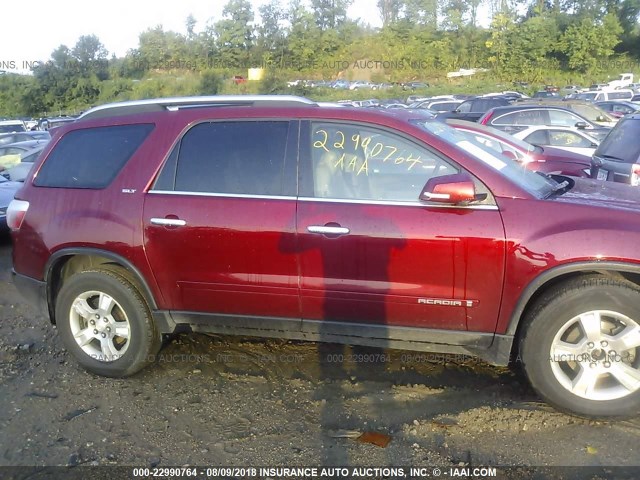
(91,157)
(623,142)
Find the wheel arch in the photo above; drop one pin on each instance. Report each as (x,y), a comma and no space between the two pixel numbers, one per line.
(68,261)
(555,276)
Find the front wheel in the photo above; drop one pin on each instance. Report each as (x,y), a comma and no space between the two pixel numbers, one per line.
(581,347)
(105,323)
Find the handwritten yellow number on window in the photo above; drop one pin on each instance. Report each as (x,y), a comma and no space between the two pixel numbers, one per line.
(376,150)
(322,143)
(391,153)
(413,162)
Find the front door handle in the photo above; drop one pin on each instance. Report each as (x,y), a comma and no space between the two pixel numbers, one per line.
(328,230)
(168,222)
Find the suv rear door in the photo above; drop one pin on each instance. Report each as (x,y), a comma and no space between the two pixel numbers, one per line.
(219,223)
(371,253)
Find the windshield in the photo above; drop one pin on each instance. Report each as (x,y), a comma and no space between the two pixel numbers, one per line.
(619,144)
(508,139)
(538,185)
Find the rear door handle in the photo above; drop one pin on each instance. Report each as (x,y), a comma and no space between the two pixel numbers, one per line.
(168,222)
(328,230)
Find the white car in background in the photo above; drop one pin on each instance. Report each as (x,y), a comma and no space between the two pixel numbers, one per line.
(566,138)
(12,126)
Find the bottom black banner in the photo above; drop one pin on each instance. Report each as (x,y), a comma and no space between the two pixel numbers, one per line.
(320,473)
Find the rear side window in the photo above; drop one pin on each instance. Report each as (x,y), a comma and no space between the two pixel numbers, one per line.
(522,117)
(539,137)
(488,104)
(92,157)
(244,158)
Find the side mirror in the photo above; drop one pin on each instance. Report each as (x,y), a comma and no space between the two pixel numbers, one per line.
(583,124)
(450,189)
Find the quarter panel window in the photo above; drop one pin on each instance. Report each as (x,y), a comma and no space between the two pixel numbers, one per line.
(361,163)
(231,157)
(91,157)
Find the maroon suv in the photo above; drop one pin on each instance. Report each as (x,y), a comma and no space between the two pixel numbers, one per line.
(276,217)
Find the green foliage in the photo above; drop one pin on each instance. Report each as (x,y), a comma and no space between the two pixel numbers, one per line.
(273,84)
(330,14)
(210,83)
(587,44)
(556,41)
(234,33)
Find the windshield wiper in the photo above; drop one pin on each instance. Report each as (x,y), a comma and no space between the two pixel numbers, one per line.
(556,187)
(612,157)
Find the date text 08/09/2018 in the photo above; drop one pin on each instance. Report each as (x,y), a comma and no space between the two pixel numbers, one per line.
(316,472)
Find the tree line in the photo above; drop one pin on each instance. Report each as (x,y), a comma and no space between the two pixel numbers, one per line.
(533,41)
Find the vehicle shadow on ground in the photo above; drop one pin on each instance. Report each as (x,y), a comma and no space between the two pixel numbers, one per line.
(343,399)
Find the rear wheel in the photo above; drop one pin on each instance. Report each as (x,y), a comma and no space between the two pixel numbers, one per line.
(105,323)
(581,347)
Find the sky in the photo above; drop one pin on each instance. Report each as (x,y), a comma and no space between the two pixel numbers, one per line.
(31,31)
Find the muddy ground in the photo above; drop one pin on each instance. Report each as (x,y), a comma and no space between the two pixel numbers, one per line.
(212,400)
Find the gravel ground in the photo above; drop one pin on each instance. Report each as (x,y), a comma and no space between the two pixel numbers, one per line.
(212,400)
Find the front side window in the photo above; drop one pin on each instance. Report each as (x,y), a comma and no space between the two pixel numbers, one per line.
(362,163)
(563,138)
(444,106)
(241,157)
(562,118)
(465,107)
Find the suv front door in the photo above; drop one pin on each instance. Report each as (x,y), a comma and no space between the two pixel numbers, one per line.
(372,253)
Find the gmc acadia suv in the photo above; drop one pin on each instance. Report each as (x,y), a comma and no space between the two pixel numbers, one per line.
(276,217)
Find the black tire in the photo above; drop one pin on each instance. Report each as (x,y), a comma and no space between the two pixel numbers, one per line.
(602,301)
(129,315)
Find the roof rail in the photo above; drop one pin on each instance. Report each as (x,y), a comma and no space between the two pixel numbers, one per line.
(178,103)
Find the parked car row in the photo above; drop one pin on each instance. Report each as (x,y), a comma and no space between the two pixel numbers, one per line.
(341,84)
(16,160)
